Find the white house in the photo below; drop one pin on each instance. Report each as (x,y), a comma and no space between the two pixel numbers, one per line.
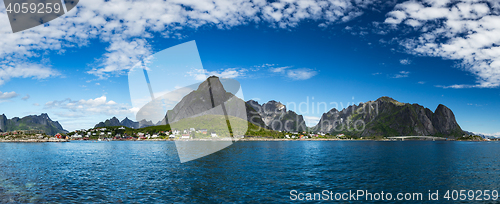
(185,136)
(213,134)
(171,136)
(287,136)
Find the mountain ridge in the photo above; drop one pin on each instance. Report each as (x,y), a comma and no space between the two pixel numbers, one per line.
(388,117)
(31,122)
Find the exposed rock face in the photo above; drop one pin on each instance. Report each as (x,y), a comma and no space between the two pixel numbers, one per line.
(125,122)
(444,120)
(110,122)
(129,123)
(210,94)
(276,117)
(388,117)
(3,122)
(31,122)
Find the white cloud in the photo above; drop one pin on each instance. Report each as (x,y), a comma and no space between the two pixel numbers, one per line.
(405,61)
(301,74)
(459,30)
(17,69)
(202,74)
(290,72)
(279,69)
(26,97)
(126,24)
(80,108)
(36,104)
(421,82)
(7,95)
(229,73)
(401,74)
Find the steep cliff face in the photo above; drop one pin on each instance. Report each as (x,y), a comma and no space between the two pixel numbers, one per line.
(388,117)
(444,121)
(211,93)
(129,123)
(125,122)
(31,122)
(3,122)
(110,122)
(276,117)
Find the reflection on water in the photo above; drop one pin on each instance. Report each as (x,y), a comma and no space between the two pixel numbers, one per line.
(137,172)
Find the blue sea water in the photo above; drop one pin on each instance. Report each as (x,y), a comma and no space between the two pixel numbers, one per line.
(245,172)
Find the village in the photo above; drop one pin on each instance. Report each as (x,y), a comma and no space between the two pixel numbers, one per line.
(122,133)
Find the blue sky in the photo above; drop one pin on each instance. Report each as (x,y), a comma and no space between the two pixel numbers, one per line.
(75,68)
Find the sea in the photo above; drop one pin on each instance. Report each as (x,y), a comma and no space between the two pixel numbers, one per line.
(251,172)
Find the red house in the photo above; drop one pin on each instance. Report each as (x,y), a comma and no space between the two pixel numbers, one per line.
(58,136)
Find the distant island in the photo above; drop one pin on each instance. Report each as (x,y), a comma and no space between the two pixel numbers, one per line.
(378,119)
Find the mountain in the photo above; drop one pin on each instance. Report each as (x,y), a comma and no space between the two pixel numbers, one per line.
(276,117)
(388,117)
(31,122)
(208,99)
(125,122)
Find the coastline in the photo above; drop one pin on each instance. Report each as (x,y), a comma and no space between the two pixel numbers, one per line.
(33,140)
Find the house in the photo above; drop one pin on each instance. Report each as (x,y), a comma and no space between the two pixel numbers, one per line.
(204,131)
(140,134)
(171,136)
(341,135)
(176,132)
(76,136)
(121,128)
(185,136)
(154,136)
(58,136)
(213,134)
(192,129)
(287,136)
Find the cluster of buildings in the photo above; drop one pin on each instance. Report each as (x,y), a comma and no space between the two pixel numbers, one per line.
(305,135)
(23,132)
(118,134)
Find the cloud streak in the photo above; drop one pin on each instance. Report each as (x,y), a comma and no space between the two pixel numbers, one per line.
(401,74)
(81,108)
(8,95)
